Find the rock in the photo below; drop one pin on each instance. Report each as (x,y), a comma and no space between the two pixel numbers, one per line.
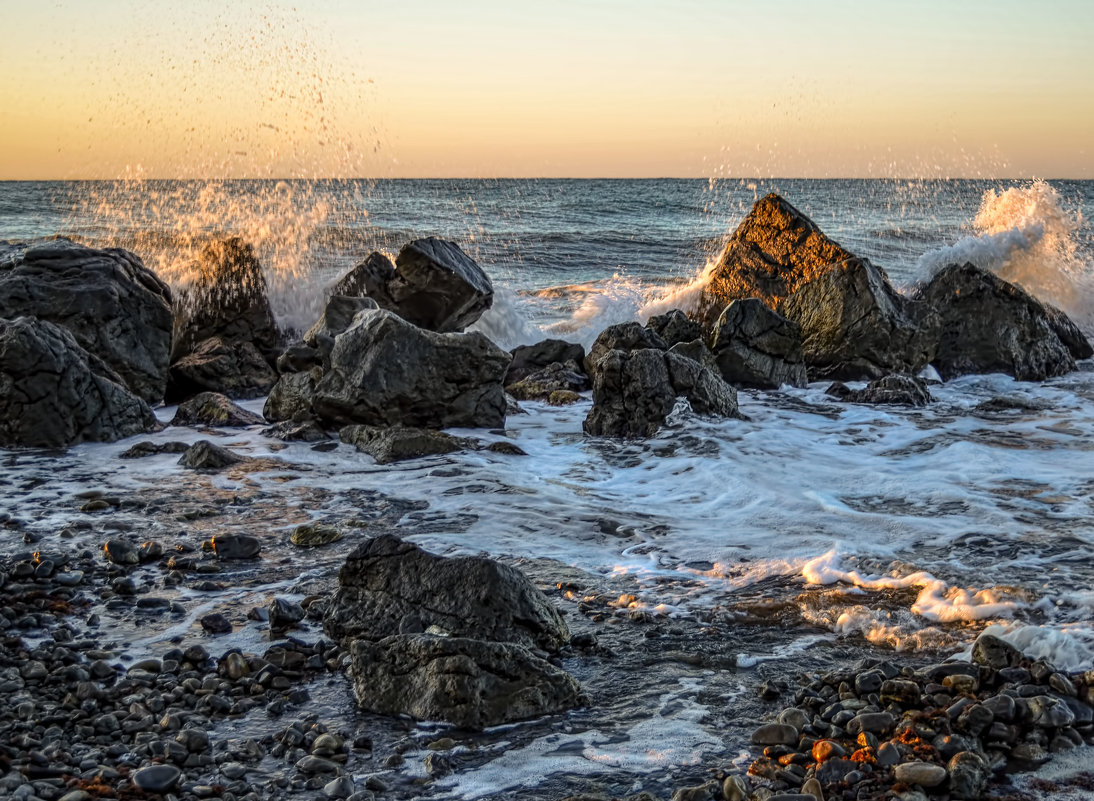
(873,722)
(697,351)
(775,734)
(968,775)
(112,305)
(756,347)
(337,316)
(235,368)
(674,327)
(291,397)
(216,624)
(342,787)
(148,448)
(386,581)
(989,325)
(289,431)
(736,788)
(813,787)
(157,778)
(507,448)
(298,358)
(204,455)
(621,336)
(121,552)
(995,653)
(54,393)
(899,390)
(529,359)
(385,371)
(214,409)
(226,299)
(899,691)
(433,284)
(313,765)
(925,774)
(542,384)
(855,325)
(823,750)
(284,614)
(470,683)
(634,392)
(314,535)
(235,546)
(395,444)
(1073,338)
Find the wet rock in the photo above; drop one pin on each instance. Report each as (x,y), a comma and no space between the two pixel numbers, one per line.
(505,448)
(314,535)
(216,624)
(113,306)
(554,378)
(433,284)
(989,325)
(205,455)
(775,734)
(386,581)
(284,614)
(674,327)
(873,722)
(925,774)
(757,347)
(148,448)
(529,359)
(307,431)
(157,778)
(898,390)
(995,653)
(897,691)
(398,443)
(470,683)
(697,351)
(121,552)
(235,546)
(54,393)
(624,337)
(338,315)
(234,368)
(1069,333)
(214,409)
(313,765)
(968,775)
(385,371)
(634,392)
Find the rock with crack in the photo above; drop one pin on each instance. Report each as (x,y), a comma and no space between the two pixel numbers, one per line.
(675,327)
(233,368)
(470,683)
(529,359)
(624,337)
(214,409)
(114,306)
(338,314)
(757,347)
(398,443)
(897,390)
(291,397)
(53,393)
(388,586)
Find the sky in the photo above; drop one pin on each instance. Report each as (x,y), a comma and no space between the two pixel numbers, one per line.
(601,88)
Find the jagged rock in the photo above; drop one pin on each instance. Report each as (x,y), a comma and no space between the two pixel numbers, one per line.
(433,284)
(284,614)
(291,397)
(233,368)
(989,325)
(470,683)
(634,392)
(529,359)
(1069,333)
(757,347)
(386,371)
(555,377)
(53,393)
(214,409)
(291,431)
(204,455)
(675,327)
(227,299)
(901,390)
(298,358)
(995,653)
(697,351)
(624,337)
(115,307)
(397,443)
(388,586)
(337,316)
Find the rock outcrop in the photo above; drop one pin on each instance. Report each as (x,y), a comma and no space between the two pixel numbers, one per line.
(634,392)
(115,307)
(675,327)
(756,347)
(387,371)
(621,336)
(53,393)
(291,397)
(989,325)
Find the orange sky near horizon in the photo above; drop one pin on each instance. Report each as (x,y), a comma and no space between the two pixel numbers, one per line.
(122,88)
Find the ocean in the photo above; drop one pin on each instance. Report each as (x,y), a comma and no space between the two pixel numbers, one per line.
(814,533)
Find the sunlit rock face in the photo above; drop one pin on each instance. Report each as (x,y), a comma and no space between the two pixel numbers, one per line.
(115,307)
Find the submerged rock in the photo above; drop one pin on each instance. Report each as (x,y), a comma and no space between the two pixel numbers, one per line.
(53,393)
(397,443)
(469,683)
(388,586)
(114,306)
(756,347)
(313,535)
(386,371)
(900,390)
(214,409)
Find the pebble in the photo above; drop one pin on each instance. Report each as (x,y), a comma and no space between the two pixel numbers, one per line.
(157,778)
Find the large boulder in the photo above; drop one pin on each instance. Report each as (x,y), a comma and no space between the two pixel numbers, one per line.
(337,316)
(54,393)
(386,371)
(529,359)
(675,327)
(388,586)
(115,307)
(989,325)
(291,397)
(227,299)
(634,391)
(855,325)
(433,284)
(233,368)
(621,336)
(470,683)
(756,347)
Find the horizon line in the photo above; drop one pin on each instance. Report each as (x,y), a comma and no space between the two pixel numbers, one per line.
(555,178)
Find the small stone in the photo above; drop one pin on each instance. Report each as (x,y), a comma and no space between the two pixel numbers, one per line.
(313,765)
(775,734)
(33,670)
(961,684)
(235,546)
(994,652)
(874,722)
(793,717)
(823,750)
(342,787)
(157,778)
(888,755)
(204,455)
(216,624)
(233,770)
(898,691)
(813,787)
(925,774)
(121,552)
(194,740)
(443,744)
(314,535)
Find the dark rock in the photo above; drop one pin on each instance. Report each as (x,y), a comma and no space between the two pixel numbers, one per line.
(624,337)
(470,683)
(1073,338)
(114,307)
(775,734)
(968,775)
(995,653)
(757,347)
(555,377)
(314,535)
(697,351)
(899,390)
(633,392)
(506,448)
(674,327)
(54,393)
(290,431)
(216,624)
(157,778)
(214,409)
(386,580)
(433,284)
(121,552)
(284,614)
(298,358)
(291,397)
(227,299)
(338,314)
(385,371)
(925,774)
(397,443)
(149,448)
(989,325)
(528,359)
(235,368)
(235,546)
(204,455)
